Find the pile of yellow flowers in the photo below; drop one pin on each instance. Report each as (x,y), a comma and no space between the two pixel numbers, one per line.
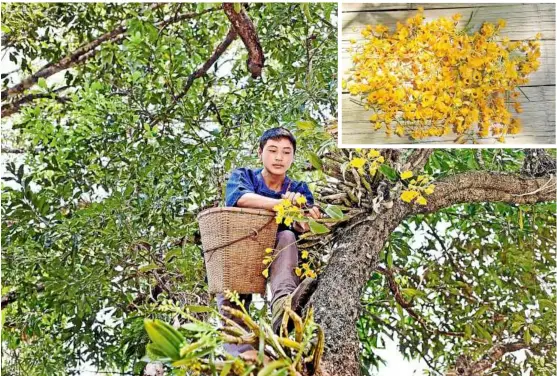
(417,188)
(428,79)
(373,158)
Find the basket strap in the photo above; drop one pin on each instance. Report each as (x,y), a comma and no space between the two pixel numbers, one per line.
(253,233)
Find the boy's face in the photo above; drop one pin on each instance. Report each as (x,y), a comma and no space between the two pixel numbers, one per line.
(277,156)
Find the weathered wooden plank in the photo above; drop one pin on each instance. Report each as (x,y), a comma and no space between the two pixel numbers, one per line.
(531,134)
(523,20)
(545,75)
(538,121)
(371,7)
(547,138)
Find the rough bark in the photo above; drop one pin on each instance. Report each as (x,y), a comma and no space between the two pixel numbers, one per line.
(466,367)
(246,29)
(336,301)
(488,187)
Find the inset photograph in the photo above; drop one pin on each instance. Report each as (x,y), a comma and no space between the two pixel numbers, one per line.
(446,74)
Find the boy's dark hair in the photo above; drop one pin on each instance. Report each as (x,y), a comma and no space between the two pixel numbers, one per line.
(276,134)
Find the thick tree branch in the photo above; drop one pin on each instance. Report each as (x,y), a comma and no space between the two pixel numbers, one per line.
(464,367)
(11,108)
(66,62)
(85,52)
(246,29)
(494,354)
(488,187)
(417,159)
(12,296)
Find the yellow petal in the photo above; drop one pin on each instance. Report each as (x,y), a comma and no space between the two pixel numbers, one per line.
(421,200)
(406,175)
(301,200)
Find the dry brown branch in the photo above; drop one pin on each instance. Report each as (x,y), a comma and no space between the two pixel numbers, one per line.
(246,29)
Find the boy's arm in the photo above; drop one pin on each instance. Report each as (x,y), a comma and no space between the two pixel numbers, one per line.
(253,200)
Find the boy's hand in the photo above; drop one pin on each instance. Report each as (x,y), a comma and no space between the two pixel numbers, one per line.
(304,226)
(291,196)
(314,212)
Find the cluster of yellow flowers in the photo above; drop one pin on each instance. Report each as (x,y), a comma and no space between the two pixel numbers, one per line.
(305,270)
(373,158)
(417,188)
(428,79)
(289,213)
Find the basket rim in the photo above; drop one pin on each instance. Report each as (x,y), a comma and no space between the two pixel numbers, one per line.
(262,212)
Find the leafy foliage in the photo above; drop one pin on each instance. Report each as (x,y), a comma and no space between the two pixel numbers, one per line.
(472,275)
(98,221)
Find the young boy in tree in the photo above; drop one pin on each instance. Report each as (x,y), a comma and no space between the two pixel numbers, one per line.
(264,188)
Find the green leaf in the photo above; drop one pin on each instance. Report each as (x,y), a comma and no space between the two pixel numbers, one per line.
(390,259)
(481,311)
(482,332)
(399,310)
(388,172)
(527,336)
(198,308)
(411,292)
(237,7)
(148,267)
(96,86)
(173,253)
(166,340)
(317,228)
(314,160)
(305,8)
(197,327)
(42,83)
(226,369)
(546,303)
(536,329)
(305,124)
(515,327)
(467,331)
(334,212)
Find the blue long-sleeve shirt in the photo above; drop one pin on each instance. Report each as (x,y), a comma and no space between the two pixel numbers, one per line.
(245,180)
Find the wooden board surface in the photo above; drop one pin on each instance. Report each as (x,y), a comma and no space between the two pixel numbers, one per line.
(523,22)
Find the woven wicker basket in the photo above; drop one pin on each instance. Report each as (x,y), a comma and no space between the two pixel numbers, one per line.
(234,242)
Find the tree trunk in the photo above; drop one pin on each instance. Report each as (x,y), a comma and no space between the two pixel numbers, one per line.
(336,300)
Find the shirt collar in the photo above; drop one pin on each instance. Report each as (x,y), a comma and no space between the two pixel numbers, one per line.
(285,183)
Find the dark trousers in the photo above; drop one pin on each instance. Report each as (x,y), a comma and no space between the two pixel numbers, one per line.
(282,278)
